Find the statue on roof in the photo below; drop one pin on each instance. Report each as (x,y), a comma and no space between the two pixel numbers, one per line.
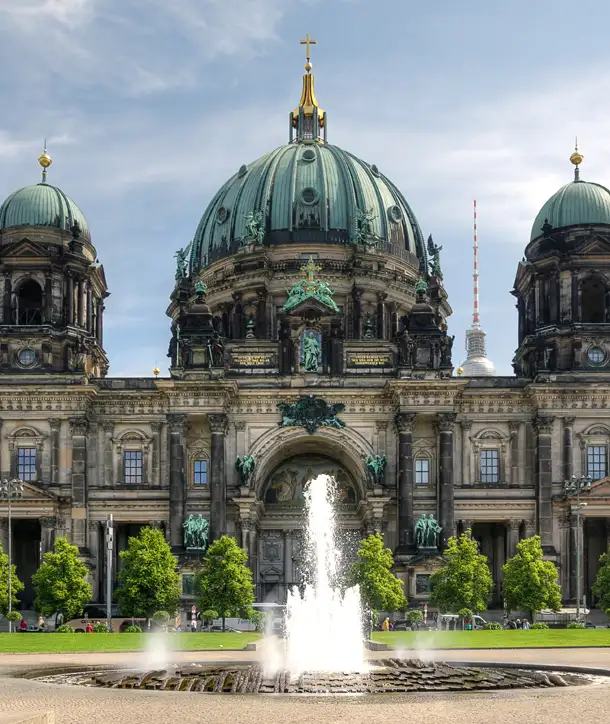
(434,253)
(255,226)
(181,263)
(364,228)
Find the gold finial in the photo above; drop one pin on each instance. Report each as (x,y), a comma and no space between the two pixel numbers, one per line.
(460,371)
(45,161)
(308,42)
(310,269)
(156,372)
(576,158)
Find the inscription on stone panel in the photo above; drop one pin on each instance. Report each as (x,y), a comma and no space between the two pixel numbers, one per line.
(253,360)
(358,359)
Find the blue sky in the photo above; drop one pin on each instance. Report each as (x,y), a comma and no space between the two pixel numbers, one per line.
(150,105)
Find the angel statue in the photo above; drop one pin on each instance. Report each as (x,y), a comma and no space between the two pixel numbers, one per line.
(245,467)
(434,253)
(181,263)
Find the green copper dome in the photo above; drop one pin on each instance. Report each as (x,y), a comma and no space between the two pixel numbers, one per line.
(307,192)
(576,203)
(42,205)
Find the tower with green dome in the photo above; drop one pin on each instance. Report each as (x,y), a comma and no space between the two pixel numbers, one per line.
(54,286)
(563,284)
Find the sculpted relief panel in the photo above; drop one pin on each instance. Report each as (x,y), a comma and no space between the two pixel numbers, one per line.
(288,483)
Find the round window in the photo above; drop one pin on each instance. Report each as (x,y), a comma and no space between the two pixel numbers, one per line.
(596,355)
(309,196)
(222,215)
(309,155)
(395,214)
(27,357)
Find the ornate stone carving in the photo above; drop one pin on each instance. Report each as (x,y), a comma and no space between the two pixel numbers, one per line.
(196,529)
(79,425)
(404,421)
(310,412)
(514,426)
(55,423)
(568,421)
(272,546)
(108,426)
(240,425)
(218,422)
(177,423)
(381,425)
(310,288)
(427,531)
(446,421)
(94,525)
(466,425)
(156,427)
(49,522)
(376,466)
(544,425)
(245,467)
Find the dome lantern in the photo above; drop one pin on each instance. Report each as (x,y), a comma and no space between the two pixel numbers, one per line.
(308,121)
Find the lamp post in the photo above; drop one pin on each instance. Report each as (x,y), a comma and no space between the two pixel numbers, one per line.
(10,489)
(109,551)
(573,488)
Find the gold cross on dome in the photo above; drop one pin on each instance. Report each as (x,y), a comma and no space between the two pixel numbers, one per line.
(308,42)
(310,269)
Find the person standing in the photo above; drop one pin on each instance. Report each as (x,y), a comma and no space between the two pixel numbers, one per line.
(194,624)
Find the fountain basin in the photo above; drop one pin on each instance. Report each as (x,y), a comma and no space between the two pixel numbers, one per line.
(387,676)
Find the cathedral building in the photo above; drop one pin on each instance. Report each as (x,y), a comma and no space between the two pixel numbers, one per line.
(309,334)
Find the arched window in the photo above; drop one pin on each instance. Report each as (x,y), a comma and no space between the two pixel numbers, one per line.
(28,303)
(593,301)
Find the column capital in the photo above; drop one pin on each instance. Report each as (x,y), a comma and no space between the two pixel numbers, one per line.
(108,426)
(94,525)
(404,421)
(49,522)
(466,425)
(156,427)
(78,425)
(445,421)
(513,523)
(381,425)
(176,422)
(543,424)
(218,422)
(54,422)
(568,421)
(514,426)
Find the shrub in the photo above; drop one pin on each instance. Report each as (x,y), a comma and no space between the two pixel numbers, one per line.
(539,625)
(209,616)
(576,624)
(415,618)
(64,628)
(161,617)
(13,616)
(100,628)
(133,628)
(258,619)
(492,626)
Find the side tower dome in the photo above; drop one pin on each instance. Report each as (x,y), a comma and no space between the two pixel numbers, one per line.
(563,283)
(54,287)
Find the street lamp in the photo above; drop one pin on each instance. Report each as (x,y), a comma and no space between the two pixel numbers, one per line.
(573,488)
(10,489)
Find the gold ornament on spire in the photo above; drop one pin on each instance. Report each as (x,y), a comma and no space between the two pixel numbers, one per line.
(308,119)
(45,161)
(576,158)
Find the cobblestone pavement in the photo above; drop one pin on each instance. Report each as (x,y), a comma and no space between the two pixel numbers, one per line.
(74,705)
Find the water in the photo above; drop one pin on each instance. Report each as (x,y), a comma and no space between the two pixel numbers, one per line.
(323,626)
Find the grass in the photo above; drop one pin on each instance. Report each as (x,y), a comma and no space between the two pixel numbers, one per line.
(58,643)
(505,639)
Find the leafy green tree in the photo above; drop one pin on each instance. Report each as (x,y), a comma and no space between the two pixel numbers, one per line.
(148,580)
(601,587)
(225,582)
(16,584)
(530,583)
(465,582)
(380,589)
(61,583)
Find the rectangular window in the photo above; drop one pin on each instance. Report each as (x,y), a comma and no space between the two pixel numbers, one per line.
(26,463)
(422,471)
(200,472)
(490,466)
(596,461)
(132,466)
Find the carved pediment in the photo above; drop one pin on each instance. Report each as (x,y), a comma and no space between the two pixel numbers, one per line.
(311,307)
(31,492)
(26,248)
(596,245)
(599,489)
(271,573)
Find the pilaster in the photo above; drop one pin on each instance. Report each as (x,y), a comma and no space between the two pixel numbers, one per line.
(218,483)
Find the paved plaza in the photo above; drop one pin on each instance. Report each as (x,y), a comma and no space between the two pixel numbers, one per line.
(74,705)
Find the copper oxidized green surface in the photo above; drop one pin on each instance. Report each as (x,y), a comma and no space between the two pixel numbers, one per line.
(310,288)
(310,413)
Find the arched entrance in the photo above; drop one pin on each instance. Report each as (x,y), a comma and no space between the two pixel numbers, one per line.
(282,554)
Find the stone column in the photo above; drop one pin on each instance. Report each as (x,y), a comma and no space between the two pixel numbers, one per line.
(575,541)
(218,483)
(404,423)
(79,303)
(156,453)
(381,315)
(78,429)
(47,531)
(512,527)
(466,426)
(100,322)
(261,315)
(4,534)
(568,447)
(381,427)
(544,482)
(177,424)
(514,427)
(70,299)
(467,524)
(94,557)
(288,575)
(55,425)
(48,299)
(8,299)
(446,423)
(89,308)
(108,453)
(253,557)
(499,554)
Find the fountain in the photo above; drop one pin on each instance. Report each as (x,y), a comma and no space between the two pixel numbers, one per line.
(323,651)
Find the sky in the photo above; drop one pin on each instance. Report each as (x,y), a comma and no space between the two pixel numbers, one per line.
(149,106)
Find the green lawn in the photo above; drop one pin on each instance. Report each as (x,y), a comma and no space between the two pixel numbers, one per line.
(57,642)
(493,639)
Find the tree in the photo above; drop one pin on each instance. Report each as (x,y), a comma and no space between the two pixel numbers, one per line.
(380,589)
(60,583)
(601,587)
(465,582)
(225,582)
(16,585)
(530,583)
(148,580)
